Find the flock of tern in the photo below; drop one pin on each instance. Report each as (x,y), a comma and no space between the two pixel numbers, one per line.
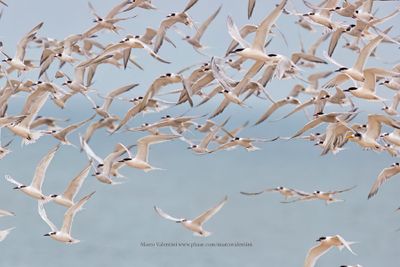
(331,22)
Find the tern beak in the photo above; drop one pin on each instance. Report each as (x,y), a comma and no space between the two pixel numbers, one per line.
(46,235)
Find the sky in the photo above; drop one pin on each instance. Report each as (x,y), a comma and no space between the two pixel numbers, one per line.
(119,218)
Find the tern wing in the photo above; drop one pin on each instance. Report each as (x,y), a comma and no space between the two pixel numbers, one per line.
(385,174)
(41,168)
(76,183)
(70,214)
(266,25)
(166,216)
(250,8)
(144,143)
(43,215)
(235,34)
(209,213)
(11,180)
(315,253)
(4,233)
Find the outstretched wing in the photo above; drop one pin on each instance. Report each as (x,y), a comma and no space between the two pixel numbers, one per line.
(43,215)
(166,216)
(209,213)
(70,213)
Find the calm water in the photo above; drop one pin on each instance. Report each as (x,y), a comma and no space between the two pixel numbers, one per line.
(119,218)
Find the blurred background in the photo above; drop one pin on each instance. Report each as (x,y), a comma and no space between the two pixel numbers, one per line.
(118,218)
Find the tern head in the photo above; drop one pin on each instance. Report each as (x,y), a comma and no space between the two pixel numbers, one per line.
(279,188)
(384,82)
(19,187)
(318,114)
(322,238)
(384,134)
(50,234)
(192,146)
(7,60)
(98,20)
(37,83)
(237,50)
(317,192)
(53,196)
(309,14)
(356,135)
(350,89)
(171,15)
(326,96)
(67,82)
(96,107)
(166,117)
(395,164)
(319,143)
(236,138)
(349,28)
(125,159)
(341,69)
(272,55)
